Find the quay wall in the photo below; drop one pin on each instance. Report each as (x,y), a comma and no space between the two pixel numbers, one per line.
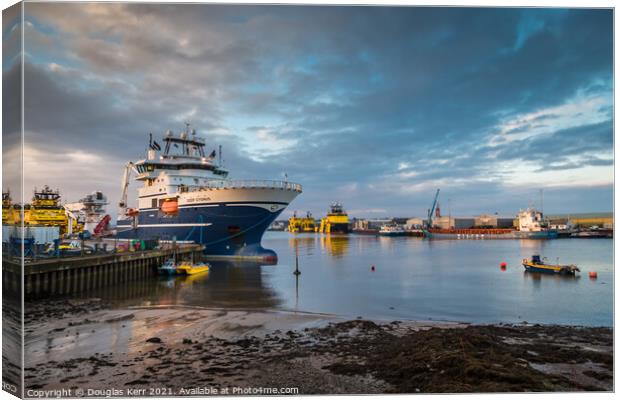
(62,276)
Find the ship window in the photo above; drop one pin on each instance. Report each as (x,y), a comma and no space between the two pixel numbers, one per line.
(153,203)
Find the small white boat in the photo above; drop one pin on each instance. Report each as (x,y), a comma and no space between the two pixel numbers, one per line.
(392,230)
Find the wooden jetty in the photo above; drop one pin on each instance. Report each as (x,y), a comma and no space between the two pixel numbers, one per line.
(66,275)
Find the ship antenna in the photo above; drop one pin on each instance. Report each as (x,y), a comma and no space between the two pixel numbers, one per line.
(220,155)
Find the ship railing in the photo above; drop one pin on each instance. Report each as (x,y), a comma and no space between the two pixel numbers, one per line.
(244,184)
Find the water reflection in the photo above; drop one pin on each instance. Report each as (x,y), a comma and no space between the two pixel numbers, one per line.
(306,243)
(537,278)
(336,245)
(230,284)
(532,245)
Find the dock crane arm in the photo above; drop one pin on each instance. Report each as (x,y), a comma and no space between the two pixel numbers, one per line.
(429,220)
(122,204)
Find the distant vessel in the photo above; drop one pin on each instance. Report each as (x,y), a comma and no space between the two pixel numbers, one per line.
(531,225)
(277,226)
(91,212)
(392,230)
(303,224)
(593,234)
(336,221)
(187,196)
(535,264)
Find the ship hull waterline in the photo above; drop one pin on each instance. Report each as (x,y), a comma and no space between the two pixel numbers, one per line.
(226,230)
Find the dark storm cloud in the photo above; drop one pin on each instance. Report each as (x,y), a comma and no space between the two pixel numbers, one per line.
(374,106)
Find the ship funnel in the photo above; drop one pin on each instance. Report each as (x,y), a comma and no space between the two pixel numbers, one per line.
(151,154)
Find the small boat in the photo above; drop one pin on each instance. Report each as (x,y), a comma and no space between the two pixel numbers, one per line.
(535,264)
(189,268)
(168,268)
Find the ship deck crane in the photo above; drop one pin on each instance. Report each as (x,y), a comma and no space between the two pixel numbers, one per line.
(122,204)
(429,220)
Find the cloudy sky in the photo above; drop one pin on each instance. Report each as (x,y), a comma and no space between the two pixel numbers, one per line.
(373,106)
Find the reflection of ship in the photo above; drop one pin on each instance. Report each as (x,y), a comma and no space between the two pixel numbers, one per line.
(186,195)
(336,221)
(46,210)
(303,224)
(336,245)
(228,284)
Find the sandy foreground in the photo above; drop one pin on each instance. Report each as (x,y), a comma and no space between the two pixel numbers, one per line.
(85,346)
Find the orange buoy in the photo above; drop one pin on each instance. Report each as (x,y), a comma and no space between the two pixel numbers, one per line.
(503,264)
(372,268)
(592,274)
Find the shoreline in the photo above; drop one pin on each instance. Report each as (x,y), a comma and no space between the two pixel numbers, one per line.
(83,344)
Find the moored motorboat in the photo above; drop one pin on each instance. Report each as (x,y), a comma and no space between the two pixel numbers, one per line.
(168,268)
(535,264)
(189,268)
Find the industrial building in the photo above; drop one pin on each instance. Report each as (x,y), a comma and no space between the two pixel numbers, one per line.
(584,220)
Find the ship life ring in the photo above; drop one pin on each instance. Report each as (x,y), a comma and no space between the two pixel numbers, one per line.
(170,206)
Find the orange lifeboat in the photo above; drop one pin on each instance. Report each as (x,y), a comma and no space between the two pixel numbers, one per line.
(170,206)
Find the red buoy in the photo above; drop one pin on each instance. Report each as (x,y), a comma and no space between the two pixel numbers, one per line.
(503,264)
(372,268)
(592,274)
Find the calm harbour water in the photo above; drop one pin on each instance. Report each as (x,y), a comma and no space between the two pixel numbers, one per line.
(414,279)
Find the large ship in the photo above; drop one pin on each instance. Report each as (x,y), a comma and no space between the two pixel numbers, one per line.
(9,214)
(302,224)
(46,210)
(531,225)
(336,221)
(187,196)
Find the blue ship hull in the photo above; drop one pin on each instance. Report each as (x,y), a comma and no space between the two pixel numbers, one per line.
(223,229)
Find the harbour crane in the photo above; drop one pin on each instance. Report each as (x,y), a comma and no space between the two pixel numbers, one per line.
(122,204)
(429,220)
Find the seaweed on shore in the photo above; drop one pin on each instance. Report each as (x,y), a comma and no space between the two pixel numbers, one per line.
(472,359)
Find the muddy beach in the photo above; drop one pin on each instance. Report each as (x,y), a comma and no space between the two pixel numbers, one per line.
(83,344)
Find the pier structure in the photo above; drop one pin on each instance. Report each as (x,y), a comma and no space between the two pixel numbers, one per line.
(69,275)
